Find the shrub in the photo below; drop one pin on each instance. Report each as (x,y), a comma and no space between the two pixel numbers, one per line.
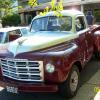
(11,20)
(97,15)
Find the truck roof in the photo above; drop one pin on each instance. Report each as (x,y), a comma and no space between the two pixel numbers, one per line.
(63,12)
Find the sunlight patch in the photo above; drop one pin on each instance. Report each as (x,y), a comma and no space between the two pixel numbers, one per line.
(1,88)
(97,97)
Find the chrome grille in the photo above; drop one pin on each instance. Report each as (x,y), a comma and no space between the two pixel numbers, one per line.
(23,69)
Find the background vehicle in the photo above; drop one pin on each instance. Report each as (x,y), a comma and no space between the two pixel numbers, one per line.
(52,58)
(11,33)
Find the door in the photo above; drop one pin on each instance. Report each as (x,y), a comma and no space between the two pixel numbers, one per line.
(85,39)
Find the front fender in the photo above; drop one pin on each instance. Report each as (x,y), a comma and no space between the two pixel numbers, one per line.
(69,57)
(62,61)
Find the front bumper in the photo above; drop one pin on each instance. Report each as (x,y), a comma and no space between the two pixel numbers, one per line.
(22,87)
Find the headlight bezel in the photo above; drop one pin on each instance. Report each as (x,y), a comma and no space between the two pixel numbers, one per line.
(50,68)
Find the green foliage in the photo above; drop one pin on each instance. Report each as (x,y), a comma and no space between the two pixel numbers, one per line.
(52,3)
(6,6)
(32,3)
(97,15)
(11,20)
(56,7)
(6,3)
(46,10)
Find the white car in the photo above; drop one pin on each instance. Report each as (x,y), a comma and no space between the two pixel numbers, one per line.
(9,34)
(12,33)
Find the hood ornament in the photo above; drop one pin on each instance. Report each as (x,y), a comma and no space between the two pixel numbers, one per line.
(20,42)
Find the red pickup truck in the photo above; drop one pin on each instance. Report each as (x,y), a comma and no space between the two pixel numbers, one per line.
(52,57)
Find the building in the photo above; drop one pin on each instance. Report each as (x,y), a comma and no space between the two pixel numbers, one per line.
(27,12)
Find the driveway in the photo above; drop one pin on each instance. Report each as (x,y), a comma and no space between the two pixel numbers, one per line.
(90,81)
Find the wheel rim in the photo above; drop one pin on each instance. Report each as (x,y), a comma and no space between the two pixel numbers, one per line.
(74,81)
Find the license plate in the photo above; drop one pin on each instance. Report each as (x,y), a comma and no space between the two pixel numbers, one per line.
(12,89)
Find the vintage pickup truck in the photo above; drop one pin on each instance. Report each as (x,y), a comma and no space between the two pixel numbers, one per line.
(52,57)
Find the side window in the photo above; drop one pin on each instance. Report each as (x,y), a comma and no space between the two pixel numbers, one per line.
(66,23)
(24,31)
(14,32)
(18,32)
(80,23)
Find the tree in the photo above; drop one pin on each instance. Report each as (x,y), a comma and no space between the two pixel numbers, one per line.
(6,6)
(56,7)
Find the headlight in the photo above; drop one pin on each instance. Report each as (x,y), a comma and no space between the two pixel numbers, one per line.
(50,68)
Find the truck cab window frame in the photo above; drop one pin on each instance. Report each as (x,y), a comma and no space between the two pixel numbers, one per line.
(80,23)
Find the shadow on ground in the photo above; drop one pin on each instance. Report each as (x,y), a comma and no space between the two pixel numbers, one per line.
(90,70)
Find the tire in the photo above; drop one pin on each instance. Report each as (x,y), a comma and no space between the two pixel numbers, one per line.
(97,55)
(69,87)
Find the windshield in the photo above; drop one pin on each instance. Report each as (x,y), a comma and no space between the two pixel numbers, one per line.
(24,31)
(52,23)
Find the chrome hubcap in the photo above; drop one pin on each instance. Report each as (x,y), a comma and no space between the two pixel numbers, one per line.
(74,81)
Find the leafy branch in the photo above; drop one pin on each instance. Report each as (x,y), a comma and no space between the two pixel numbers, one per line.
(54,6)
(6,6)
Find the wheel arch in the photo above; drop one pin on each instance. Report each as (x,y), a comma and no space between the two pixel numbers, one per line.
(78,64)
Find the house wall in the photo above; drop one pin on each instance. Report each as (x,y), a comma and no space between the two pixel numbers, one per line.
(29,12)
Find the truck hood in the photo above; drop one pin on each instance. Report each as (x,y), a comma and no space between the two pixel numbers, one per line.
(39,40)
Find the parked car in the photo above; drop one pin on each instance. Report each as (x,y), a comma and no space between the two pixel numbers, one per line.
(11,33)
(51,59)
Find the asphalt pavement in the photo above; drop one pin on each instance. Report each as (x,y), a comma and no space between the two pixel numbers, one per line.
(90,84)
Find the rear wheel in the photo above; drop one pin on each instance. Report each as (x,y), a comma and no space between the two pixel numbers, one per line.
(70,86)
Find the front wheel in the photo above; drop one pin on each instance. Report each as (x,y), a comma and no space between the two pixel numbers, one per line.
(70,86)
